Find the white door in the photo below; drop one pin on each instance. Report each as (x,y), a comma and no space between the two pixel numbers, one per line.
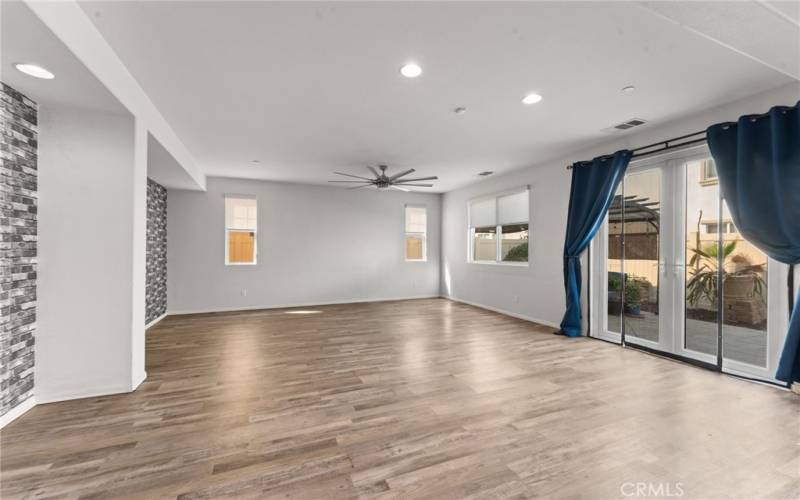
(670,272)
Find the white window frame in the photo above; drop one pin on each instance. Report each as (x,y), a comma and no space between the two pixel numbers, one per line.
(424,235)
(229,230)
(498,230)
(777,306)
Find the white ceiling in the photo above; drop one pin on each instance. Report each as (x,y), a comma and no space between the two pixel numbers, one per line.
(308,88)
(25,39)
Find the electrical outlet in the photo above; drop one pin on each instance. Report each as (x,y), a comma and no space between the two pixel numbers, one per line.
(244,292)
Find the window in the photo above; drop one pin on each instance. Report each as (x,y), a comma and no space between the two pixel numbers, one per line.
(708,172)
(498,228)
(416,233)
(240,230)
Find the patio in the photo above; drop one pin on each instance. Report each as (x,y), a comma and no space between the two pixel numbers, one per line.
(741,344)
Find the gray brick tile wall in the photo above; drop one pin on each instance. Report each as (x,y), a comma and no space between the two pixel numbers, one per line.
(156,250)
(18,233)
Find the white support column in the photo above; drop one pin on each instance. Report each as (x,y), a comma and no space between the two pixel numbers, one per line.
(139,257)
(92,203)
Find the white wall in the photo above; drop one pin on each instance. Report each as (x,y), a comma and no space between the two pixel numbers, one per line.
(89,250)
(539,287)
(316,245)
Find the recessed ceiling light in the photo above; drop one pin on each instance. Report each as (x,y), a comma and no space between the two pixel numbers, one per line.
(460,110)
(628,89)
(255,161)
(34,71)
(411,70)
(531,99)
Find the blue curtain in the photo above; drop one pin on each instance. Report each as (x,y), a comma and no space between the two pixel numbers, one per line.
(593,186)
(758,164)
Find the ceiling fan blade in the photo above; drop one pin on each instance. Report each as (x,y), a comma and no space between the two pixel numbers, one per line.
(362,186)
(432,178)
(419,185)
(375,172)
(401,174)
(355,182)
(398,188)
(356,176)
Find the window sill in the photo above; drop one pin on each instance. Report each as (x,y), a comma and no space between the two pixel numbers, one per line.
(501,264)
(237,264)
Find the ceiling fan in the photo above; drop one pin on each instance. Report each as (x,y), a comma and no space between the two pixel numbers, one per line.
(384,181)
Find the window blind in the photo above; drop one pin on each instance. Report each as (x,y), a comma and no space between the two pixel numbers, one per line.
(416,220)
(513,208)
(483,213)
(241,213)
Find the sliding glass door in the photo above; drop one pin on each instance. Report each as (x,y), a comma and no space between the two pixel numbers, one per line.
(671,273)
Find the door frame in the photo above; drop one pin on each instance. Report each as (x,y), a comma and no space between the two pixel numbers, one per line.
(672,262)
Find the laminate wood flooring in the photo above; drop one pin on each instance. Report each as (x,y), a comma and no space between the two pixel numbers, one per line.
(413,399)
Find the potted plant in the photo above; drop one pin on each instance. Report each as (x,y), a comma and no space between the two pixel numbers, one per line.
(703,281)
(633,297)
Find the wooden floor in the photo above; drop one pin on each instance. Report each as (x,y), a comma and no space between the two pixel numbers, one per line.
(414,399)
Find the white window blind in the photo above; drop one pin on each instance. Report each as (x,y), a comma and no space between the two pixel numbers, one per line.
(512,208)
(241,213)
(483,212)
(416,220)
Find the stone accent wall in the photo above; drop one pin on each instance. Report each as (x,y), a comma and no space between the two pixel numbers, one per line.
(18,178)
(156,250)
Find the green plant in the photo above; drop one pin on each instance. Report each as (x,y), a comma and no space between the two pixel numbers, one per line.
(614,284)
(633,293)
(518,253)
(703,280)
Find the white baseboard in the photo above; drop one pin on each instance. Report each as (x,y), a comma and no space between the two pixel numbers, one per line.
(17,411)
(138,381)
(152,323)
(68,395)
(289,306)
(503,311)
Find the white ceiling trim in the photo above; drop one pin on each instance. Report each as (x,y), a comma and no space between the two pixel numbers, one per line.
(71,25)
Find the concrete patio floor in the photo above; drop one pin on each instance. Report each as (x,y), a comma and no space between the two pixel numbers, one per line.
(738,343)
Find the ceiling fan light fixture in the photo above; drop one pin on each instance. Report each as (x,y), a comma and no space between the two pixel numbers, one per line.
(383,181)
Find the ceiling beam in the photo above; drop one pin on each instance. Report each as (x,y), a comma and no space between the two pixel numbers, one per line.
(70,24)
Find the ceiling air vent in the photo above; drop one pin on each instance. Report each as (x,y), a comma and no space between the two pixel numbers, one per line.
(633,122)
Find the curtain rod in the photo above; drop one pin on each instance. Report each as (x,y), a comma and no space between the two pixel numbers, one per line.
(666,145)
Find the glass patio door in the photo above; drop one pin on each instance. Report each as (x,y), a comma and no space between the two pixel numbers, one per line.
(630,257)
(671,273)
